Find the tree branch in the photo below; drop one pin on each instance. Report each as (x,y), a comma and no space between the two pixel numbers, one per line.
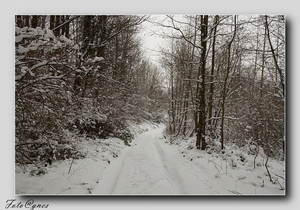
(182,34)
(66,22)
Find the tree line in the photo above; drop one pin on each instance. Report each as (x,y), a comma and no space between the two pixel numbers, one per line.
(226,79)
(79,75)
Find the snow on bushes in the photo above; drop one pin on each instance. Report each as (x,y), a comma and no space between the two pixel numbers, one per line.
(46,107)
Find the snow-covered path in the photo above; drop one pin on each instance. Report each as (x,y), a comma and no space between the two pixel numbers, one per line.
(152,167)
(140,169)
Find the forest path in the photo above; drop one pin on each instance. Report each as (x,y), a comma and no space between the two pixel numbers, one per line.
(139,169)
(150,166)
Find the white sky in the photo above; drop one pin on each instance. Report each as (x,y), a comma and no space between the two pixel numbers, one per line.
(152,42)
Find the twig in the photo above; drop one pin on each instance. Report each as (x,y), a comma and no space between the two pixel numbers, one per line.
(280,176)
(281,187)
(76,169)
(217,168)
(266,165)
(64,189)
(71,166)
(215,163)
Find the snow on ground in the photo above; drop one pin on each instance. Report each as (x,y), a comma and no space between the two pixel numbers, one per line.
(222,174)
(78,177)
(67,177)
(153,166)
(141,170)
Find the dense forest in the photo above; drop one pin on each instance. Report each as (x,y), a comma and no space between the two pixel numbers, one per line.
(221,80)
(79,75)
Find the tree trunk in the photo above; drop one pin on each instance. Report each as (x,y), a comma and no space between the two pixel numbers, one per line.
(57,23)
(26,17)
(201,116)
(211,88)
(193,102)
(172,126)
(263,66)
(63,29)
(279,70)
(34,21)
(103,34)
(19,21)
(52,21)
(67,27)
(225,83)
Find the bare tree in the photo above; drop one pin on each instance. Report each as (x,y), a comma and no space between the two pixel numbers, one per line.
(225,91)
(200,118)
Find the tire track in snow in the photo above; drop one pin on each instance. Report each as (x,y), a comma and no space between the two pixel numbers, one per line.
(168,169)
(190,177)
(110,175)
(151,167)
(140,170)
(158,155)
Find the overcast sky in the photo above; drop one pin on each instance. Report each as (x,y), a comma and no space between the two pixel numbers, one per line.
(152,41)
(152,35)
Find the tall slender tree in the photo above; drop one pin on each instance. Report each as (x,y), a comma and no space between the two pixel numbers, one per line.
(225,90)
(200,100)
